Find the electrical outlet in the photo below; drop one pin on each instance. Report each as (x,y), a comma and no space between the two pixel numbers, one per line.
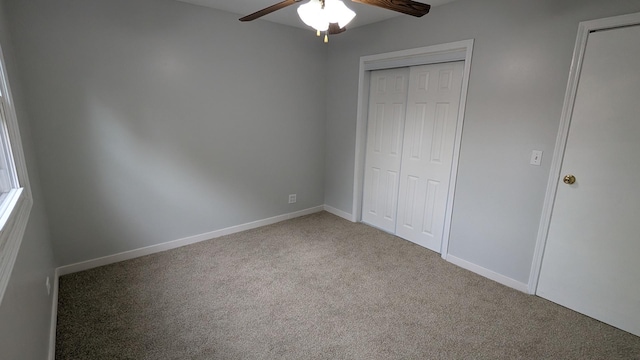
(48,283)
(292,198)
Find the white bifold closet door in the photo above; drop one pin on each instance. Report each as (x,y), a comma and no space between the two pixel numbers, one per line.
(412,121)
(385,130)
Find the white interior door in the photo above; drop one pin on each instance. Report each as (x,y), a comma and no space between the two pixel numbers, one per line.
(427,156)
(387,106)
(590,260)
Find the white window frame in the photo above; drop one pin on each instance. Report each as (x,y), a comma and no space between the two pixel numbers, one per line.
(16,205)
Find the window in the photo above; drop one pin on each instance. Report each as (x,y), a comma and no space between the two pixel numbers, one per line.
(8,180)
(15,193)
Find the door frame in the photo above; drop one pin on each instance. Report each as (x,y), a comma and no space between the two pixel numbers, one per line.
(455,51)
(584,29)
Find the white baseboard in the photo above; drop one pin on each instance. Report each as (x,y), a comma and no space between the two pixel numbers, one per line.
(337,212)
(131,254)
(507,281)
(54,317)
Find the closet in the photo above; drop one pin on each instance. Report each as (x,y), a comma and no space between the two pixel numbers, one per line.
(411,130)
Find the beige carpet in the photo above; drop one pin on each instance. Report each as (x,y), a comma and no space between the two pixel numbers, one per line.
(316,287)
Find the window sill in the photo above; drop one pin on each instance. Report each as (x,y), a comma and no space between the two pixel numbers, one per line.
(13,222)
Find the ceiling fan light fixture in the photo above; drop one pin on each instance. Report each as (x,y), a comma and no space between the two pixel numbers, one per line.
(318,15)
(312,14)
(338,12)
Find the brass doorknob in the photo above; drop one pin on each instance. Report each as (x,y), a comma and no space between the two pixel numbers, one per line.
(569,179)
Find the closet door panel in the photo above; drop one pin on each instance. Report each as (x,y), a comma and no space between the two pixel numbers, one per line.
(385,131)
(427,155)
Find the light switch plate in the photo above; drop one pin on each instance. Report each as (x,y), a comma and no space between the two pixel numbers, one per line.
(536,157)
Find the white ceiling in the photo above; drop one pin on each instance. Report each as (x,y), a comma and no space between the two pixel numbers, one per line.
(366,14)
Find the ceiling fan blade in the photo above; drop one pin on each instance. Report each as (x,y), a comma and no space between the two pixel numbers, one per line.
(334,29)
(269,10)
(408,7)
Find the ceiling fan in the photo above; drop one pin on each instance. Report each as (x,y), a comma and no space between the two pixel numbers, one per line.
(332,16)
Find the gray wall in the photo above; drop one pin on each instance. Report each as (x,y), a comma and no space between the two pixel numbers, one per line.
(155,120)
(520,68)
(25,312)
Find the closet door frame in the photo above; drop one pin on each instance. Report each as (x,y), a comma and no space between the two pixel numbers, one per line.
(455,51)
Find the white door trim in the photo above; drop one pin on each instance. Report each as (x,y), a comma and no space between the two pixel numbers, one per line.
(455,51)
(584,29)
